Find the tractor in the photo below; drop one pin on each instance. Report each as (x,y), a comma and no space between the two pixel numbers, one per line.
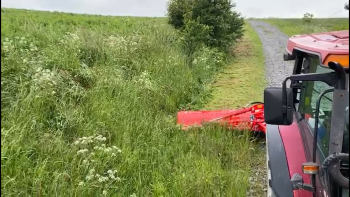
(306,125)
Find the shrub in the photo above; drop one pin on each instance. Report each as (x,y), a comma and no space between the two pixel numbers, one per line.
(308,17)
(222,25)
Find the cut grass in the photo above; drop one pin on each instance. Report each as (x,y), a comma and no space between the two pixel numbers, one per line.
(296,26)
(244,80)
(235,86)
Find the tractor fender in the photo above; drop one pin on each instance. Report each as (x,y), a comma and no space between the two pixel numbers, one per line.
(279,178)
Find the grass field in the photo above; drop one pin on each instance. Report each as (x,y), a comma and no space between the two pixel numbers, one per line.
(88,108)
(296,26)
(89,105)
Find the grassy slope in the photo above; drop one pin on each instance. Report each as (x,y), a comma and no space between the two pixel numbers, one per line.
(234,88)
(65,77)
(296,26)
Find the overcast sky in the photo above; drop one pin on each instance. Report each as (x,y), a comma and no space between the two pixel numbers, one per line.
(249,8)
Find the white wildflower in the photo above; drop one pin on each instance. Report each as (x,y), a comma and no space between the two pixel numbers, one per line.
(85,161)
(81,183)
(103,179)
(107,150)
(92,171)
(82,151)
(89,177)
(112,177)
(110,172)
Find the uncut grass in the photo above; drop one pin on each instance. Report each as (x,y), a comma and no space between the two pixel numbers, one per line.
(67,76)
(296,26)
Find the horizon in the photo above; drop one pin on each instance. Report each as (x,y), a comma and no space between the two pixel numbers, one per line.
(75,13)
(157,8)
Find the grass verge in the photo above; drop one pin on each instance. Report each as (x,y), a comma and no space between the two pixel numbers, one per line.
(244,80)
(235,86)
(296,26)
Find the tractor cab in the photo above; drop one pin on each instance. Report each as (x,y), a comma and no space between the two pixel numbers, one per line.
(307,129)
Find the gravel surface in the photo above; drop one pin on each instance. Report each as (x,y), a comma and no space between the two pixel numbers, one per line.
(274,43)
(276,70)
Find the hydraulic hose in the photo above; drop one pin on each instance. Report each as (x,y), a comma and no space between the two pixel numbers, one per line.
(331,164)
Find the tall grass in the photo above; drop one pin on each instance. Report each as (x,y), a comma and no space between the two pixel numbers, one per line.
(88,108)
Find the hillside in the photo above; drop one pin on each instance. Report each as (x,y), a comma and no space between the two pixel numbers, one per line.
(88,108)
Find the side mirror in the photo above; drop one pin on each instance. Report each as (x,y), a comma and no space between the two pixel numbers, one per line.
(278,110)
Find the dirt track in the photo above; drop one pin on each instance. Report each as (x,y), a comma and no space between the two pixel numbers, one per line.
(274,44)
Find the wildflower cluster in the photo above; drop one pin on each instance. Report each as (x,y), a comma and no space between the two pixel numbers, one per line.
(19,45)
(11,44)
(69,38)
(123,43)
(144,80)
(93,155)
(209,57)
(45,78)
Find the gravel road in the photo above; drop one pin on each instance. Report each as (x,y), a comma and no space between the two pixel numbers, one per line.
(276,70)
(274,43)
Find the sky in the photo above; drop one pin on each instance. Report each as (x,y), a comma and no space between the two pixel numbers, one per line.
(156,8)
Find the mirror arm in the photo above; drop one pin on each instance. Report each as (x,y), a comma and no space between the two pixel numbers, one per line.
(336,79)
(314,144)
(328,78)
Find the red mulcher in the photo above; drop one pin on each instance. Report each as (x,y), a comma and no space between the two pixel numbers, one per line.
(306,124)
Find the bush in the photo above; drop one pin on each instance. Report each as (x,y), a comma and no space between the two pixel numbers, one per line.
(307,18)
(222,25)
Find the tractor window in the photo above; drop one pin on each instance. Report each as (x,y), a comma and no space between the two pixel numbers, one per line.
(308,97)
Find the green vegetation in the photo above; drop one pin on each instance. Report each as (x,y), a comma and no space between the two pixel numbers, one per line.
(298,26)
(233,88)
(88,108)
(209,23)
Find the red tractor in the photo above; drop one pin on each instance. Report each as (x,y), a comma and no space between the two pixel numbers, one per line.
(306,124)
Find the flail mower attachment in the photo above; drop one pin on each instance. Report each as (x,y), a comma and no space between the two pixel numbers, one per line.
(248,118)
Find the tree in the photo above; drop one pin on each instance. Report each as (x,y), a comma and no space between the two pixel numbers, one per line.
(225,25)
(308,17)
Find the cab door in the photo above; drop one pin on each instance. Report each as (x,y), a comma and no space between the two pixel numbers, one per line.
(307,96)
